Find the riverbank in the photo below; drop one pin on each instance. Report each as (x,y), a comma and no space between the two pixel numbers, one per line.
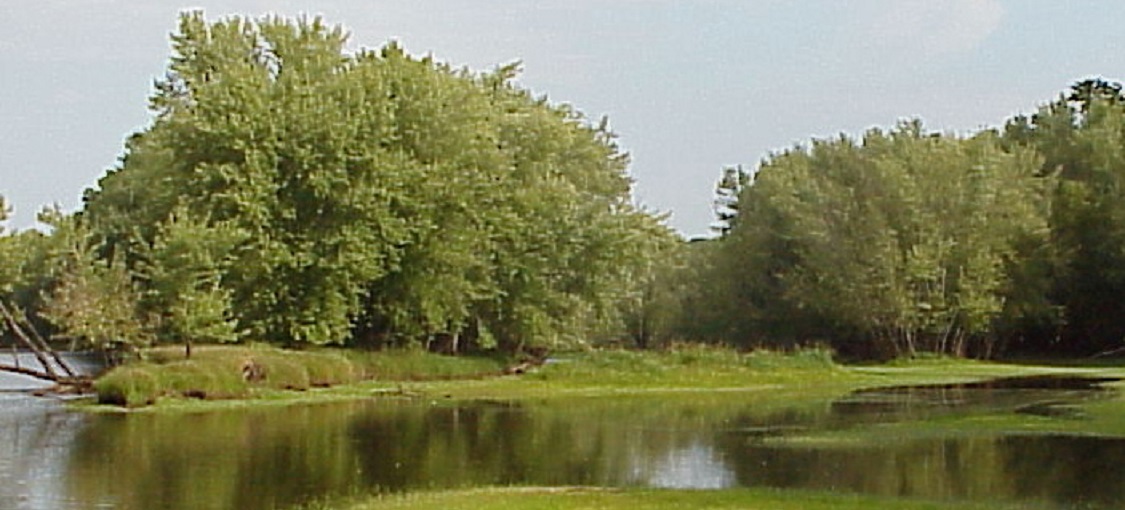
(654,499)
(783,387)
(615,422)
(219,377)
(260,372)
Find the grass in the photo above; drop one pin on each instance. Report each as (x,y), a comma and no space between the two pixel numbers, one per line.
(778,377)
(221,373)
(577,498)
(408,364)
(1101,417)
(214,375)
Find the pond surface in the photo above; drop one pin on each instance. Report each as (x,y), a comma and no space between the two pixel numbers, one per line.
(51,458)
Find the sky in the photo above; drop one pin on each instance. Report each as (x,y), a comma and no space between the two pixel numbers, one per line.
(689,86)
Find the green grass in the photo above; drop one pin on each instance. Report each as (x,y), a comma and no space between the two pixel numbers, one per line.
(651,499)
(217,373)
(1102,416)
(776,376)
(698,367)
(411,364)
(214,373)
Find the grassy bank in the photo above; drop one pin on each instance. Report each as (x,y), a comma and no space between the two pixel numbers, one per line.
(1100,416)
(237,372)
(610,499)
(219,374)
(263,373)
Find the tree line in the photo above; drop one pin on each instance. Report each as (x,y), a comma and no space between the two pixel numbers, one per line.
(1009,240)
(292,192)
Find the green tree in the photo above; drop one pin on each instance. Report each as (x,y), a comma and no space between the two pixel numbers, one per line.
(903,237)
(370,197)
(182,271)
(1080,138)
(91,301)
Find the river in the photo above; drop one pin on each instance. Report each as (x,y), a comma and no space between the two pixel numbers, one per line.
(274,458)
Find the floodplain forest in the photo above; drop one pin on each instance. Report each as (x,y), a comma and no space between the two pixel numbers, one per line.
(287,191)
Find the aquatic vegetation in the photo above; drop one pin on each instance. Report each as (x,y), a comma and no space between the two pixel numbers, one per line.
(534,498)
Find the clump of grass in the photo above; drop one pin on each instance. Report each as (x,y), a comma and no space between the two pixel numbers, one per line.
(804,358)
(199,380)
(330,369)
(420,365)
(130,386)
(221,372)
(284,372)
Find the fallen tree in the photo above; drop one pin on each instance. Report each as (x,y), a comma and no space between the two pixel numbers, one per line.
(52,366)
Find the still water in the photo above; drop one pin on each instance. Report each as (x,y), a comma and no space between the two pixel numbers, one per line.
(51,458)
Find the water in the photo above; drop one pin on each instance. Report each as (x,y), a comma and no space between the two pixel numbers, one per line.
(276,458)
(84,363)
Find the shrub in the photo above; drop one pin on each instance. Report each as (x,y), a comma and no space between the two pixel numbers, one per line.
(128,386)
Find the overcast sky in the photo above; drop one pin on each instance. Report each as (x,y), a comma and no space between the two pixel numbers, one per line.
(690,86)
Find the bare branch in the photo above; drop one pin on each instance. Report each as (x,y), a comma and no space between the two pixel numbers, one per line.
(45,346)
(30,372)
(35,349)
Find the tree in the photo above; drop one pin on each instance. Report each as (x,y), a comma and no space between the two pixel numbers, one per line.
(92,301)
(5,211)
(727,190)
(182,271)
(1080,138)
(15,321)
(904,237)
(1094,90)
(366,198)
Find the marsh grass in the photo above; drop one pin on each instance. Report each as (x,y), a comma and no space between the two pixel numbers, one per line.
(420,365)
(1100,416)
(685,366)
(217,372)
(214,373)
(655,499)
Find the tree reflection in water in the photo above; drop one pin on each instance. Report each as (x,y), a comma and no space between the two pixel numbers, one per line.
(279,457)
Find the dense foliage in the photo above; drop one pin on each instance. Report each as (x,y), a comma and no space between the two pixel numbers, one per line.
(293,192)
(1081,137)
(905,240)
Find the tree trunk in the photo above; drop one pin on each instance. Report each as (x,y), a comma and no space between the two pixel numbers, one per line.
(43,353)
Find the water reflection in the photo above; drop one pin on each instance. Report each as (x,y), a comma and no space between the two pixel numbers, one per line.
(698,466)
(1063,470)
(1030,395)
(277,458)
(35,439)
(87,363)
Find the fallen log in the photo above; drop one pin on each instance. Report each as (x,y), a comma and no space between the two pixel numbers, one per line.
(46,356)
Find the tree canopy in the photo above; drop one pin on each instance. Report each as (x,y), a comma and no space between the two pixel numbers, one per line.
(898,242)
(293,192)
